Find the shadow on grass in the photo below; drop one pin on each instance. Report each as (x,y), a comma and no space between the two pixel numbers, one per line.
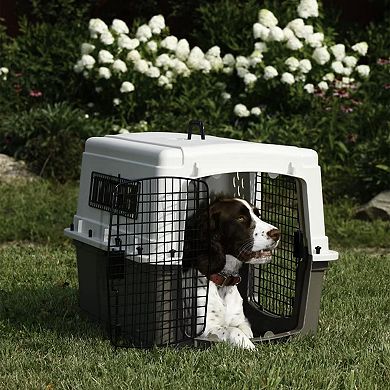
(54,309)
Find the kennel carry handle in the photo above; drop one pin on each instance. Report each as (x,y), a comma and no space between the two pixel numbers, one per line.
(199,124)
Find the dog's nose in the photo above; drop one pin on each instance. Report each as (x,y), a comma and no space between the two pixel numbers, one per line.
(274,234)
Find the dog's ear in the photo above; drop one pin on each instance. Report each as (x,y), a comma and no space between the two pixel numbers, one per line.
(214,222)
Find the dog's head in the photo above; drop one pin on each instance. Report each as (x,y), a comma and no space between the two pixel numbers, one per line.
(235,226)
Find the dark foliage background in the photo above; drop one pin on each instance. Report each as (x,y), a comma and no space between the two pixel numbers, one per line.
(43,105)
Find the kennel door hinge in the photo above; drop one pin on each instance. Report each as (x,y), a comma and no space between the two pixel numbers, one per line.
(299,245)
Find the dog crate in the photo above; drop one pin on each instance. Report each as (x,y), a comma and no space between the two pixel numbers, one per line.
(138,192)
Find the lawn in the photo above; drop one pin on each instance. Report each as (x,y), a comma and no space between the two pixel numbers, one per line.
(46,343)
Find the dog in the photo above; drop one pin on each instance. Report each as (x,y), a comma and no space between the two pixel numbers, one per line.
(237,236)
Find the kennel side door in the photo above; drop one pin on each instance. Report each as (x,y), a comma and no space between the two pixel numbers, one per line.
(152,302)
(273,297)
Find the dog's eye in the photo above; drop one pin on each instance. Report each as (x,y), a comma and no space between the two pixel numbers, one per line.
(241,219)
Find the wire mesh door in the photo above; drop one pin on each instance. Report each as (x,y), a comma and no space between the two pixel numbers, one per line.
(275,289)
(151,301)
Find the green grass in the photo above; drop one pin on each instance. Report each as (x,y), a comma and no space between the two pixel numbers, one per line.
(36,211)
(46,343)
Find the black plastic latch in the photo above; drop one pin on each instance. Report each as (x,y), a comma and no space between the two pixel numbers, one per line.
(200,125)
(299,247)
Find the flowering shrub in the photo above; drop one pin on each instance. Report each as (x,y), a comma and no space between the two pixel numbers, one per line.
(295,57)
(126,69)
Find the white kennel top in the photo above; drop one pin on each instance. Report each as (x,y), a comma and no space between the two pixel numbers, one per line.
(172,154)
(155,154)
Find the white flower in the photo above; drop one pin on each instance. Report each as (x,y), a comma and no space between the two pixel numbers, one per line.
(255,58)
(242,62)
(338,51)
(156,24)
(123,131)
(78,67)
(256,111)
(292,63)
(347,81)
(116,102)
(261,47)
(119,66)
(304,32)
(87,61)
(213,56)
(87,48)
(288,33)
(144,33)
(4,72)
(347,71)
(152,46)
(315,40)
(360,48)
(250,79)
(267,18)
(214,51)
(105,57)
(338,67)
(153,72)
(329,77)
(133,56)
(276,34)
(228,60)
(205,66)
(127,87)
(226,96)
(104,73)
(195,58)
(163,81)
(97,26)
(169,43)
(241,111)
(309,88)
(305,66)
(119,26)
(270,72)
(107,38)
(141,66)
(260,31)
(216,63)
(323,86)
(182,49)
(294,44)
(287,78)
(296,25)
(126,42)
(363,70)
(321,55)
(241,72)
(307,9)
(163,60)
(350,61)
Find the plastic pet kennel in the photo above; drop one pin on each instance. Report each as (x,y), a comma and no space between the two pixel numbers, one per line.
(137,192)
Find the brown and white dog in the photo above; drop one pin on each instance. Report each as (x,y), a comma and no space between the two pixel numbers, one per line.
(238,236)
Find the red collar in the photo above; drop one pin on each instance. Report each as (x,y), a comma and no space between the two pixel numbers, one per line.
(221,279)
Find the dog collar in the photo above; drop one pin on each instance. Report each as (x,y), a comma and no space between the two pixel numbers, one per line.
(221,279)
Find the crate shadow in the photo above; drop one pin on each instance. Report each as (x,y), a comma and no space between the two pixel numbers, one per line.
(54,308)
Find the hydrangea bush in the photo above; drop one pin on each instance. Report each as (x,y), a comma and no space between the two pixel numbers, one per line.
(124,69)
